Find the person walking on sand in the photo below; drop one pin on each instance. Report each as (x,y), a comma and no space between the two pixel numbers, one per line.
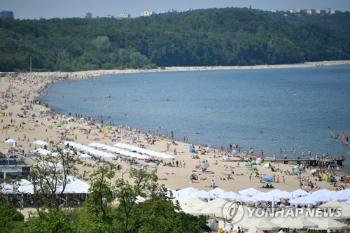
(212,184)
(284,181)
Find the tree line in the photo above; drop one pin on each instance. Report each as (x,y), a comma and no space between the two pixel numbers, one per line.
(230,36)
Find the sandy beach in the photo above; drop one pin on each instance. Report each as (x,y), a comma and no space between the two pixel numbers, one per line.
(24,120)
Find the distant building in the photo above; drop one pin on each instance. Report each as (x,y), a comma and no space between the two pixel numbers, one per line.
(88,15)
(7,15)
(124,15)
(13,167)
(318,11)
(147,13)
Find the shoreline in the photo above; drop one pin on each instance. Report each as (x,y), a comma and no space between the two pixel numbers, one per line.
(172,177)
(95,73)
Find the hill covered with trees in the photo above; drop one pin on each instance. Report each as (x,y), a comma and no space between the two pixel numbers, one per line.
(230,36)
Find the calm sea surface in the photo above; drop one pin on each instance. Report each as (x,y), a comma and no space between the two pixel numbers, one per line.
(269,110)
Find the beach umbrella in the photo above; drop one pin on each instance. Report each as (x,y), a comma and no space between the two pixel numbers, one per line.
(327,224)
(299,193)
(266,197)
(215,208)
(216,192)
(263,224)
(249,192)
(246,199)
(11,141)
(202,195)
(335,204)
(341,195)
(40,143)
(294,223)
(230,196)
(185,193)
(192,206)
(306,200)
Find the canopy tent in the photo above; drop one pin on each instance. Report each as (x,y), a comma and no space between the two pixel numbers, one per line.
(89,150)
(40,143)
(306,200)
(341,195)
(299,193)
(144,151)
(76,185)
(118,151)
(44,152)
(327,224)
(294,223)
(249,192)
(246,199)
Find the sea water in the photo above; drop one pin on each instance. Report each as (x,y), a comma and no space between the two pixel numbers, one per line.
(269,110)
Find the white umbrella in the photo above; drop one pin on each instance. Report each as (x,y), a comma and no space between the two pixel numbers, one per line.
(215,208)
(11,141)
(230,196)
(249,192)
(293,223)
(202,195)
(40,143)
(266,197)
(216,192)
(185,193)
(341,195)
(327,224)
(263,224)
(335,204)
(299,193)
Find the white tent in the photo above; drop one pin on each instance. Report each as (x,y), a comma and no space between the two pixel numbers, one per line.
(118,151)
(249,192)
(89,150)
(40,143)
(76,185)
(294,223)
(144,151)
(327,224)
(21,186)
(341,195)
(299,193)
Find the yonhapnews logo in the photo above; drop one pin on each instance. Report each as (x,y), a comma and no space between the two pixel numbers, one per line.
(235,212)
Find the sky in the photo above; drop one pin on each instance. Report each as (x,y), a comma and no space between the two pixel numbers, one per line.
(29,9)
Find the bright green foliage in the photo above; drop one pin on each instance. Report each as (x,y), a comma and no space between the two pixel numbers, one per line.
(231,36)
(49,221)
(10,219)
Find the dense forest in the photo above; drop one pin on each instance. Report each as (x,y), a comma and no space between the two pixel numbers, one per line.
(230,36)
